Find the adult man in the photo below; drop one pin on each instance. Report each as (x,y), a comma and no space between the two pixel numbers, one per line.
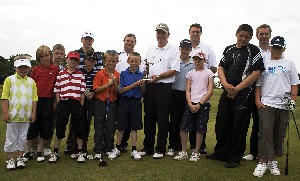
(195,33)
(239,68)
(263,34)
(164,60)
(129,43)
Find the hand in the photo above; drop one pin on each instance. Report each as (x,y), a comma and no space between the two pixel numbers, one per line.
(153,79)
(6,118)
(110,82)
(291,105)
(260,105)
(32,118)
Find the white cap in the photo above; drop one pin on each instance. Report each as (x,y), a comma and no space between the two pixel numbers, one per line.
(88,34)
(21,62)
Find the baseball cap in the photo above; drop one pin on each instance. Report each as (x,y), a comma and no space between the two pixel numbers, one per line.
(186,43)
(162,26)
(278,41)
(74,54)
(21,62)
(199,54)
(90,55)
(88,34)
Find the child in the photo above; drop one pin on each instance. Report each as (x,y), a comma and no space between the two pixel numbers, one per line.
(130,105)
(199,89)
(69,89)
(179,96)
(88,107)
(44,76)
(105,86)
(278,78)
(58,55)
(19,100)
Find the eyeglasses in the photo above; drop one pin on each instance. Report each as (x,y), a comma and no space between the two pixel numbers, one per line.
(262,34)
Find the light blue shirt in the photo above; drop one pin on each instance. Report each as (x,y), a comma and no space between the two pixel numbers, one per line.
(180,80)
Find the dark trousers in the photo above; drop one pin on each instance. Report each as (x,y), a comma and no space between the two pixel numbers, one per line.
(157,101)
(231,127)
(177,110)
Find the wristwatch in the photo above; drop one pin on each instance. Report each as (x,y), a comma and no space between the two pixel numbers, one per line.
(200,104)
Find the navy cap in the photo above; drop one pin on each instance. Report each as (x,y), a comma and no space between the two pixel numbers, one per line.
(186,43)
(278,41)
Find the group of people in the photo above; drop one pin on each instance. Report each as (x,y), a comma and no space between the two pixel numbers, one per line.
(176,85)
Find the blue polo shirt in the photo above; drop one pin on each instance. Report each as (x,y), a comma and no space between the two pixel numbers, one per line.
(180,80)
(127,78)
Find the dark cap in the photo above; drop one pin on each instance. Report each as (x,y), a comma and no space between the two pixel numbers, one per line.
(278,41)
(186,43)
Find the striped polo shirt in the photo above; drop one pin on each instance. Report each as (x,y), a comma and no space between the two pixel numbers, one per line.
(70,86)
(89,77)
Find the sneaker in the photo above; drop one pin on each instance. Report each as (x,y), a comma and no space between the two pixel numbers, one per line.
(181,156)
(260,169)
(171,152)
(203,151)
(53,158)
(194,157)
(40,157)
(158,155)
(249,157)
(10,164)
(136,155)
(67,151)
(27,156)
(142,152)
(80,158)
(20,163)
(74,156)
(97,156)
(114,153)
(47,152)
(272,166)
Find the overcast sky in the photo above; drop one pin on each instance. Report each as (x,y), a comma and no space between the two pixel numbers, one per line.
(27,24)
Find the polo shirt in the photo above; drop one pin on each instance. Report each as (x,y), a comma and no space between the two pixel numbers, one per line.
(70,86)
(180,80)
(45,78)
(162,60)
(99,60)
(127,78)
(210,55)
(20,92)
(89,77)
(102,78)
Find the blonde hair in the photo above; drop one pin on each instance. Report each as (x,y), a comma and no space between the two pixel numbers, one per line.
(42,50)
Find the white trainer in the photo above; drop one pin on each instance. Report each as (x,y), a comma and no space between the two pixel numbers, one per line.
(171,152)
(194,157)
(10,164)
(53,158)
(158,155)
(74,156)
(20,163)
(97,156)
(249,157)
(47,152)
(40,158)
(181,156)
(80,158)
(260,170)
(114,153)
(272,166)
(136,155)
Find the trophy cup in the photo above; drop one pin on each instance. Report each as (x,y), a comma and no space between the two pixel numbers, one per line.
(146,72)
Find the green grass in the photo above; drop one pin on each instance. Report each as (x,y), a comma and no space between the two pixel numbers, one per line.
(125,168)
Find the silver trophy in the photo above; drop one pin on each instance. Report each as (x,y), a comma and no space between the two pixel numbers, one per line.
(146,72)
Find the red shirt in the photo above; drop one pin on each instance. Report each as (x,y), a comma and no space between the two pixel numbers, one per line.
(45,78)
(70,86)
(101,78)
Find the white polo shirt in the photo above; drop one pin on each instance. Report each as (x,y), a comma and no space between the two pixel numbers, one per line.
(210,55)
(162,60)
(122,65)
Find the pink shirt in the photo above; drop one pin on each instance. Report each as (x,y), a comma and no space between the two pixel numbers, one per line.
(199,83)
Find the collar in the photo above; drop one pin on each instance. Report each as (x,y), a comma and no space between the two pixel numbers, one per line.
(165,47)
(136,72)
(19,77)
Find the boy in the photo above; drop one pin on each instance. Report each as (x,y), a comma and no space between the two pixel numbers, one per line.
(105,86)
(19,100)
(88,106)
(179,96)
(58,55)
(279,77)
(69,89)
(44,76)
(239,68)
(130,105)
(199,89)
